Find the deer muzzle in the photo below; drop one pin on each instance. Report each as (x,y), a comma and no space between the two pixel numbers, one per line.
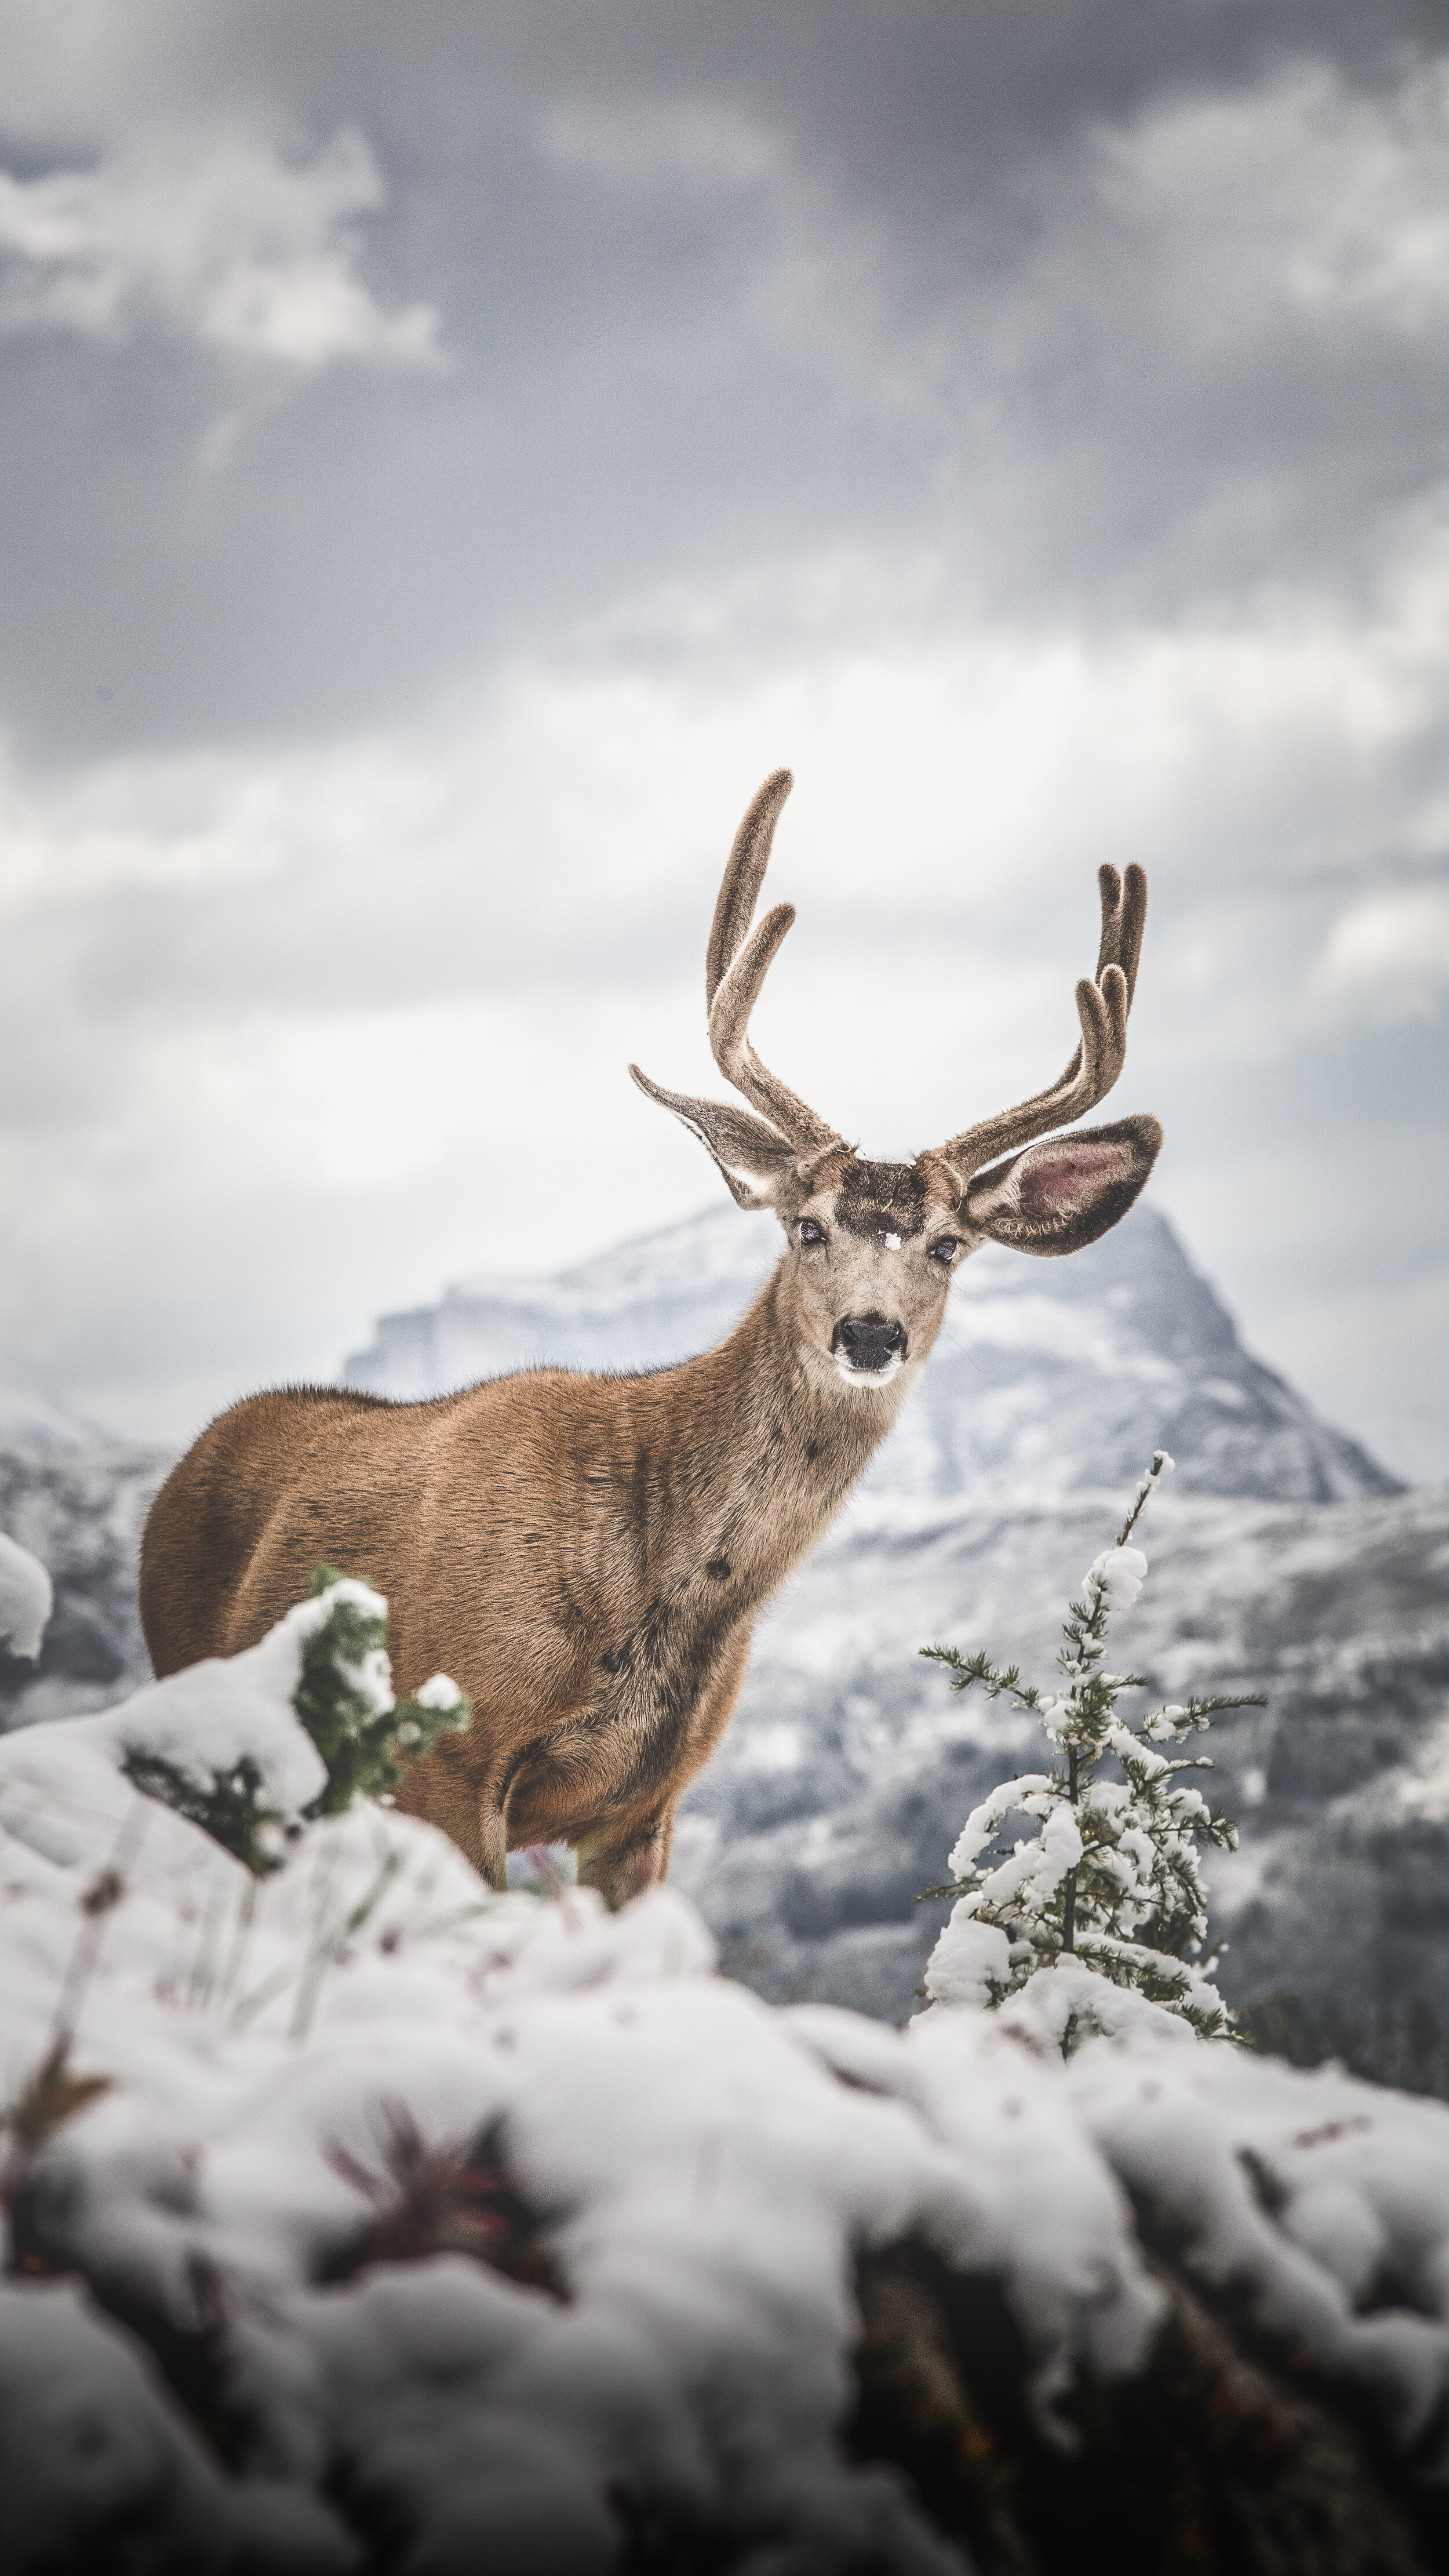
(868,1346)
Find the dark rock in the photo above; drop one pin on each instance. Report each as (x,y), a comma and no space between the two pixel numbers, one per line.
(1225,2457)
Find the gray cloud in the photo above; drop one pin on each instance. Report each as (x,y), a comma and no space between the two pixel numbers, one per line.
(1014,292)
(452,453)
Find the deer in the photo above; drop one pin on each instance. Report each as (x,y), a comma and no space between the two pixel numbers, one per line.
(586,1555)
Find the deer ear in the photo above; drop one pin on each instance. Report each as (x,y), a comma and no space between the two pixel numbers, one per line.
(1059,1195)
(757,1166)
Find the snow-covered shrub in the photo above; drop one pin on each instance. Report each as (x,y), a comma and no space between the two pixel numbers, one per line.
(340,2139)
(344,1698)
(1111,1879)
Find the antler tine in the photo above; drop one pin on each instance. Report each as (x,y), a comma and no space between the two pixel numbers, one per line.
(729,1021)
(743,877)
(736,963)
(1124,913)
(1102,1008)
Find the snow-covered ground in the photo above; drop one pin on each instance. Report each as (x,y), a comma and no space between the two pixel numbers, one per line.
(362,2218)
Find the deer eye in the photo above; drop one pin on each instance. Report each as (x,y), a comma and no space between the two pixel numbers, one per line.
(810,1232)
(945,1248)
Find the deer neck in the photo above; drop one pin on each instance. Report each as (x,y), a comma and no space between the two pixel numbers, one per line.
(775,1440)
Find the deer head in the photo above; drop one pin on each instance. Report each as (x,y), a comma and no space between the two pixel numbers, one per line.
(873,1245)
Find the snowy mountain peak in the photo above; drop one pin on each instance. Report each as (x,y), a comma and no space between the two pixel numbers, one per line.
(1049,1375)
(723,1245)
(31,1419)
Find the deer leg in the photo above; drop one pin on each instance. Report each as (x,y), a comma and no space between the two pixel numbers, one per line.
(624,1862)
(450,1790)
(491,1861)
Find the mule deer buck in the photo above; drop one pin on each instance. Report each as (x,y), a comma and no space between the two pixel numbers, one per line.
(586,1555)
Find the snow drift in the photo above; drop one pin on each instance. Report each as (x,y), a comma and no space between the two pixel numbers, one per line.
(359,2216)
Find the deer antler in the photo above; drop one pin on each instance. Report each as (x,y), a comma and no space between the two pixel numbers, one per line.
(1102,1008)
(736,966)
(737,961)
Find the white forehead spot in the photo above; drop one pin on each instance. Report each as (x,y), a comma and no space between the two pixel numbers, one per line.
(893,1243)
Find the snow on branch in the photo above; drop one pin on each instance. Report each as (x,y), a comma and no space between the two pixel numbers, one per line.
(26,1598)
(1111,1876)
(344,1698)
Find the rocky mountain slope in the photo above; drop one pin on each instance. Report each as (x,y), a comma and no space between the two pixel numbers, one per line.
(78,1502)
(851,1766)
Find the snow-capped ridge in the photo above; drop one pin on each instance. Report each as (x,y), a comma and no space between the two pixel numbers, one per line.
(32,1419)
(1048,1376)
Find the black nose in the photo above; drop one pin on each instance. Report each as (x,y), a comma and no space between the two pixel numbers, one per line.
(868,1341)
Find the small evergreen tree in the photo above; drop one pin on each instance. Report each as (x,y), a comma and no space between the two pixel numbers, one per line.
(1111,1876)
(345,1701)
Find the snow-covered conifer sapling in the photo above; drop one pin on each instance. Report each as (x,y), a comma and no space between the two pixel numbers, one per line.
(1111,1876)
(344,1699)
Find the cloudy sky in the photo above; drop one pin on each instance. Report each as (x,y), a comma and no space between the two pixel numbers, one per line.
(452,453)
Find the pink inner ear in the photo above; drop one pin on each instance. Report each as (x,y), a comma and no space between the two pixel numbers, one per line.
(1058,1180)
